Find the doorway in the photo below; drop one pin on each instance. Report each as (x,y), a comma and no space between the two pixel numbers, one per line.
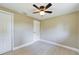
(6,29)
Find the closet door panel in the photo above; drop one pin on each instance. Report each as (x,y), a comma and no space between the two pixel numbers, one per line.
(5,32)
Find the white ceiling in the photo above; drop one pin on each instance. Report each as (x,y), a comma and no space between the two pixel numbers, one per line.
(57,8)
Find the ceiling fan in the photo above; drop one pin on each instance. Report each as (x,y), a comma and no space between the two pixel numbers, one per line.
(42,9)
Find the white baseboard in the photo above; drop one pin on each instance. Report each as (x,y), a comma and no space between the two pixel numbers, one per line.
(60,45)
(21,46)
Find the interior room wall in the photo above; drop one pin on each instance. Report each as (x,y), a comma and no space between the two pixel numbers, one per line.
(23,28)
(78,29)
(61,29)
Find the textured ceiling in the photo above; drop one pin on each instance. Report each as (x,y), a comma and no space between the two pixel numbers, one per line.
(57,8)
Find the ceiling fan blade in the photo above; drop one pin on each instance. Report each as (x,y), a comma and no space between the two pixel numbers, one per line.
(48,6)
(35,6)
(36,12)
(48,11)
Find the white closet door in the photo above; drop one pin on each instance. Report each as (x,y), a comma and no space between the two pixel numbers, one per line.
(5,32)
(36,30)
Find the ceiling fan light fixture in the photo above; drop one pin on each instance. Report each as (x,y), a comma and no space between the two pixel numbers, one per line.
(42,9)
(42,13)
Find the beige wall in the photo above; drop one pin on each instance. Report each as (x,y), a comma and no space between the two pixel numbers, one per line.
(78,29)
(23,28)
(61,29)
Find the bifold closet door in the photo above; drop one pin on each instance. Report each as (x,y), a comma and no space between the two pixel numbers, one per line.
(5,32)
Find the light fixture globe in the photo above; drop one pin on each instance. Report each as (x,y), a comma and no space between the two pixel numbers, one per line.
(42,13)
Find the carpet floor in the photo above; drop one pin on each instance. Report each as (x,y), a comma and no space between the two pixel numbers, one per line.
(42,48)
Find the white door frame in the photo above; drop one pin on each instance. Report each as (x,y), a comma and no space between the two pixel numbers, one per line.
(12,27)
(36,30)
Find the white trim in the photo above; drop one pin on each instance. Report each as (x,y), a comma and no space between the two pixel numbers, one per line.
(9,13)
(60,45)
(36,30)
(12,35)
(21,46)
(12,27)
